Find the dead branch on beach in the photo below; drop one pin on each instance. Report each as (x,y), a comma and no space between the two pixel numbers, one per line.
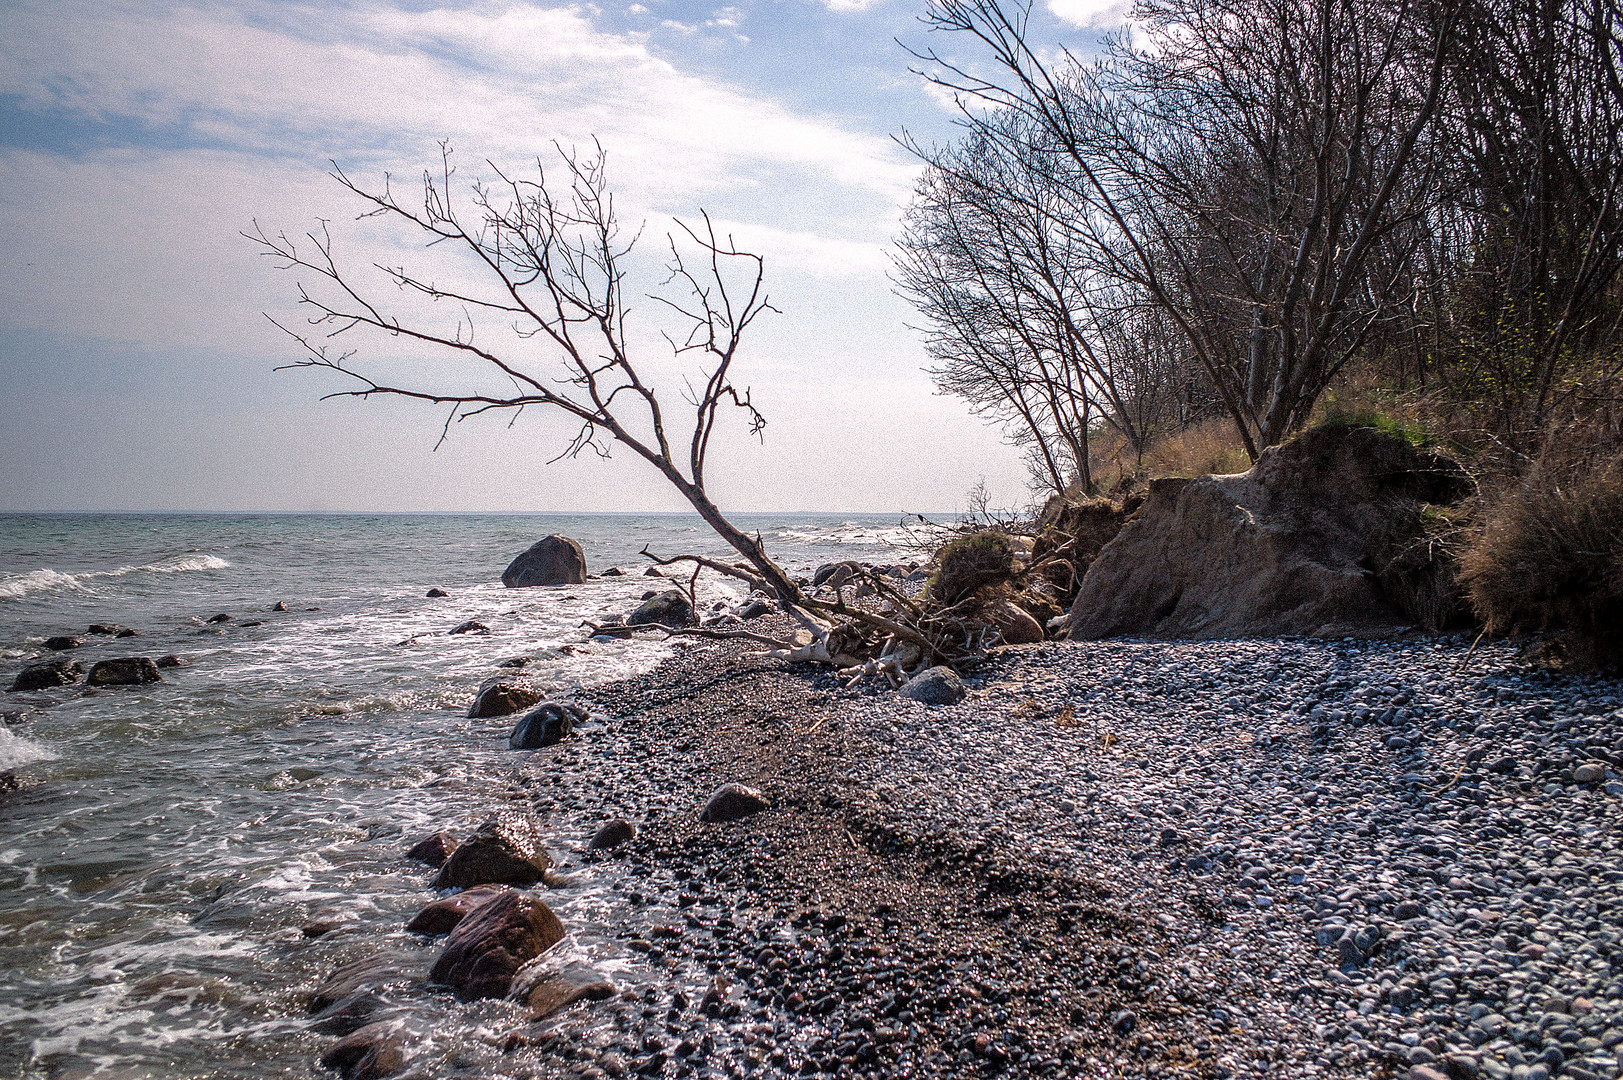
(537,285)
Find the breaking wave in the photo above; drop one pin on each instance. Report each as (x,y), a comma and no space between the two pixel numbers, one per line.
(45,580)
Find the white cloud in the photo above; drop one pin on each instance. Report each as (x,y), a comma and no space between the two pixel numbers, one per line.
(1092,14)
(850,5)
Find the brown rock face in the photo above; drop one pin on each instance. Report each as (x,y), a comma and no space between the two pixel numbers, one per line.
(549,986)
(371,1052)
(556,560)
(1282,549)
(1016,627)
(502,696)
(433,850)
(443,915)
(507,850)
(489,946)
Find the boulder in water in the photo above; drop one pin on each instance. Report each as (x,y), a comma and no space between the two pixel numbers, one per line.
(442,916)
(472,626)
(614,571)
(433,850)
(502,696)
(372,1052)
(670,608)
(549,723)
(555,560)
(493,942)
(1287,548)
(280,605)
(127,632)
(106,629)
(436,594)
(371,973)
(730,802)
(939,685)
(48,673)
(549,984)
(124,671)
(63,643)
(170,661)
(220,618)
(506,850)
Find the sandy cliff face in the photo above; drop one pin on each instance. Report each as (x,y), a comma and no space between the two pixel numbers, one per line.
(1287,548)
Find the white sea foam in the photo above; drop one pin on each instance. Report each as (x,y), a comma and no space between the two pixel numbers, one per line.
(46,580)
(16,751)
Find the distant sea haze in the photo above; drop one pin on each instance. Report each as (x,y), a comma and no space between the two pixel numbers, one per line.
(186,826)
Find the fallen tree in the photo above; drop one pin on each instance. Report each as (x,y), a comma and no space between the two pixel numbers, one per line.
(537,276)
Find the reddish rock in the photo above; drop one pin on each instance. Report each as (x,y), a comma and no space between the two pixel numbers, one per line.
(488,947)
(507,850)
(442,916)
(374,1051)
(548,987)
(433,850)
(369,973)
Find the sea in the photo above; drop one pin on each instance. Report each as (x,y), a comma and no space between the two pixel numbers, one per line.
(169,840)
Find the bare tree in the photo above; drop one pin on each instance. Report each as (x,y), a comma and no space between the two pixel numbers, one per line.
(543,321)
(1251,170)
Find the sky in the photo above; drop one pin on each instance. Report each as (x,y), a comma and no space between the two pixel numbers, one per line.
(139,140)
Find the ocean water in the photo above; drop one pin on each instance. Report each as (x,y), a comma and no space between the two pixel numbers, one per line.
(171,839)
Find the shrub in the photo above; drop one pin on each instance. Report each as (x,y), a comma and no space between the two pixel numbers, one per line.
(1549,557)
(970,561)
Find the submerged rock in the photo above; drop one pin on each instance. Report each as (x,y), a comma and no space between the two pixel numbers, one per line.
(63,643)
(48,673)
(433,850)
(493,942)
(669,608)
(548,985)
(170,661)
(220,618)
(507,849)
(371,973)
(555,560)
(443,915)
(549,723)
(124,671)
(730,802)
(106,629)
(436,594)
(937,686)
(472,626)
(502,696)
(372,1052)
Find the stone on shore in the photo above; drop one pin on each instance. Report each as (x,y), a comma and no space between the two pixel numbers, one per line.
(669,608)
(1013,623)
(548,985)
(547,724)
(48,673)
(937,686)
(443,915)
(506,850)
(611,834)
(502,696)
(730,802)
(555,560)
(433,850)
(371,1052)
(493,942)
(124,671)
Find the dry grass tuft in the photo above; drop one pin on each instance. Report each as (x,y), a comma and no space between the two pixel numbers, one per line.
(969,562)
(1549,557)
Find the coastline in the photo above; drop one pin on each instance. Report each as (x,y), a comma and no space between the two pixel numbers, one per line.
(1114,859)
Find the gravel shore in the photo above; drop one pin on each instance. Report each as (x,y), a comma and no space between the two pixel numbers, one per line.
(1258,858)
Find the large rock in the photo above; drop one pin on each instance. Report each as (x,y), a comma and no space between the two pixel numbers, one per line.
(506,850)
(48,673)
(547,724)
(669,608)
(372,1052)
(124,671)
(556,560)
(554,981)
(369,974)
(1286,548)
(496,939)
(442,915)
(433,850)
(937,686)
(1013,624)
(503,695)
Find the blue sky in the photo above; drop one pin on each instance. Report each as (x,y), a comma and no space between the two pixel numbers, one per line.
(137,139)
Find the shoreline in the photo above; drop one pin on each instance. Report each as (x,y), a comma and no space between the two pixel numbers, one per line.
(1114,859)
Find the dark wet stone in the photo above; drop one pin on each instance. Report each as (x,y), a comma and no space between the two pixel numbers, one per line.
(374,1051)
(170,661)
(549,723)
(369,973)
(515,662)
(555,560)
(220,618)
(108,629)
(502,696)
(937,686)
(472,626)
(506,850)
(443,915)
(124,671)
(669,608)
(436,594)
(279,606)
(614,571)
(433,850)
(321,926)
(548,987)
(730,802)
(61,644)
(613,833)
(127,632)
(488,947)
(1123,1022)
(48,673)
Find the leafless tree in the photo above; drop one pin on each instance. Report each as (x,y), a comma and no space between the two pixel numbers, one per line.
(543,321)
(1251,169)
